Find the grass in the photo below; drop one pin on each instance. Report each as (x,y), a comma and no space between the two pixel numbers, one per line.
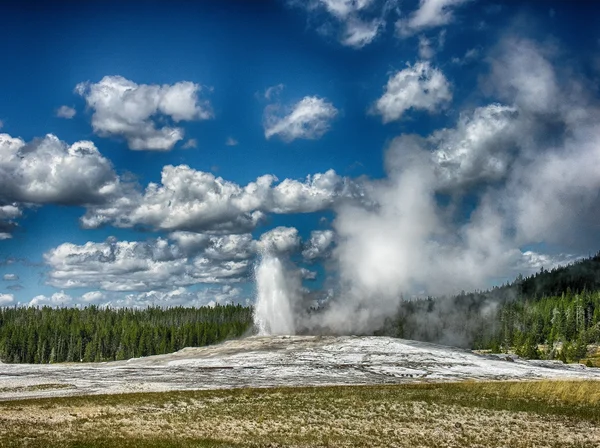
(36,387)
(482,414)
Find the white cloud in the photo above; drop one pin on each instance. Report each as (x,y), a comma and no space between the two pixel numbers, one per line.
(6,299)
(318,245)
(50,171)
(480,147)
(359,33)
(154,264)
(180,297)
(95,297)
(8,214)
(343,9)
(279,240)
(426,51)
(307,274)
(191,143)
(356,23)
(231,141)
(65,112)
(470,55)
(318,192)
(310,118)
(199,201)
(430,14)
(125,109)
(10,277)
(419,86)
(57,299)
(188,200)
(534,261)
(273,92)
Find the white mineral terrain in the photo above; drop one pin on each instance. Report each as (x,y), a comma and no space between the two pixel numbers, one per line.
(270,361)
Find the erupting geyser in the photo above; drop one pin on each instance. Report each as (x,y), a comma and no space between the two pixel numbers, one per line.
(273,310)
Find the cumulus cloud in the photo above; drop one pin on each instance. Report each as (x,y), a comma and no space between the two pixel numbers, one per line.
(66,112)
(208,296)
(534,261)
(6,299)
(310,118)
(356,23)
(58,299)
(10,277)
(280,240)
(125,109)
(155,264)
(430,14)
(419,86)
(359,33)
(482,146)
(8,215)
(50,171)
(193,200)
(318,245)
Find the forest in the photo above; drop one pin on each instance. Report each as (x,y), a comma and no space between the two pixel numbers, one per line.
(48,335)
(553,314)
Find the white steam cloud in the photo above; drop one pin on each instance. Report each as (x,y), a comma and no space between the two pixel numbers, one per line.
(527,166)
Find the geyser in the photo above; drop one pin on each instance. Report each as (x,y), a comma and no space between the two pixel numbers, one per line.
(273,309)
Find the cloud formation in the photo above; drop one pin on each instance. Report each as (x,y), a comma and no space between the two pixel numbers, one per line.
(66,112)
(280,240)
(6,299)
(430,14)
(125,109)
(356,23)
(532,161)
(50,171)
(143,266)
(198,201)
(319,245)
(310,118)
(419,86)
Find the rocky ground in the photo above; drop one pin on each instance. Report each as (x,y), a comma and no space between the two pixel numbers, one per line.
(279,361)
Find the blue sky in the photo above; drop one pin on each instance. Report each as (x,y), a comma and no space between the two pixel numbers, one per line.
(238,90)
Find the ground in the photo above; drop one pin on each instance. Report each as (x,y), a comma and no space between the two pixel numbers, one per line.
(479,414)
(278,361)
(303,391)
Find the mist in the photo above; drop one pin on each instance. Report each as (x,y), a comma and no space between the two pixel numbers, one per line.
(526,163)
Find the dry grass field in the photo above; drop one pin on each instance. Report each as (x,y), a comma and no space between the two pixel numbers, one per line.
(477,414)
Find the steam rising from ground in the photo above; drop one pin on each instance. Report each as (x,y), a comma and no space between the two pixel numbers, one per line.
(527,167)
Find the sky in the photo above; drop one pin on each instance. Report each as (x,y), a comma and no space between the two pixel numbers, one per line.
(152,152)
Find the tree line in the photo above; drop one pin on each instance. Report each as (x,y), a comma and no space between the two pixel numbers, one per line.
(551,314)
(49,335)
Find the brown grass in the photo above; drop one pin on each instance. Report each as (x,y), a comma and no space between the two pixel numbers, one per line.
(490,414)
